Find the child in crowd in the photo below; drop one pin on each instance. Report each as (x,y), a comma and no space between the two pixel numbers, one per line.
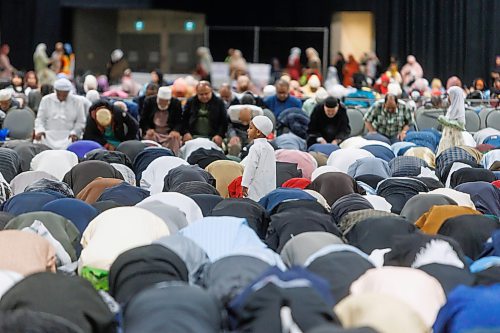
(259,177)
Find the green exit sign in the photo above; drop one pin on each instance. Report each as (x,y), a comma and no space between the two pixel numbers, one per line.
(189,25)
(139,25)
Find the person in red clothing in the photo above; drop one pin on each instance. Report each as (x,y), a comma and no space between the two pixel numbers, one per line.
(350,68)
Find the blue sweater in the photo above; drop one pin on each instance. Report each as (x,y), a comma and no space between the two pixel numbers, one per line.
(278,106)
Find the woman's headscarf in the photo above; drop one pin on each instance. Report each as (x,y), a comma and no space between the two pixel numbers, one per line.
(298,249)
(411,286)
(127,173)
(95,188)
(369,166)
(485,196)
(116,157)
(279,195)
(204,157)
(195,187)
(423,153)
(257,217)
(305,161)
(82,147)
(124,194)
(433,219)
(323,169)
(154,175)
(131,148)
(378,232)
(381,312)
(142,267)
(378,203)
(191,254)
(468,175)
(44,161)
(67,297)
(26,253)
(29,202)
(76,211)
(26,151)
(222,236)
(456,110)
(293,221)
(421,203)
(351,219)
(185,173)
(379,151)
(470,309)
(85,172)
(61,233)
(116,231)
(348,203)
(206,202)
(340,265)
(461,199)
(187,205)
(180,307)
(224,173)
(49,186)
(228,276)
(22,180)
(5,190)
(10,163)
(342,159)
(144,158)
(334,185)
(174,218)
(397,191)
(406,166)
(470,231)
(299,183)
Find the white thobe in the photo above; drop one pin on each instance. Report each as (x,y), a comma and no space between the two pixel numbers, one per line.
(58,120)
(260,170)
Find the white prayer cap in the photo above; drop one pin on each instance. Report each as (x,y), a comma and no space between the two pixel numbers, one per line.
(269,90)
(92,96)
(314,81)
(90,83)
(116,55)
(165,93)
(63,85)
(263,124)
(5,95)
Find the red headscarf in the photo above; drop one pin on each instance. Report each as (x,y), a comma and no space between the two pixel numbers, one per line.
(300,183)
(235,189)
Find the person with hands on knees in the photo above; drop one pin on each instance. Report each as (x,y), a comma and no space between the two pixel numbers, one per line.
(388,121)
(61,116)
(329,123)
(259,176)
(161,119)
(205,115)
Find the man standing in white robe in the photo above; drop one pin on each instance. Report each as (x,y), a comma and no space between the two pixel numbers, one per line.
(259,176)
(61,117)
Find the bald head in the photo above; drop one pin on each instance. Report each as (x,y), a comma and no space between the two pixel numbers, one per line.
(204,91)
(225,92)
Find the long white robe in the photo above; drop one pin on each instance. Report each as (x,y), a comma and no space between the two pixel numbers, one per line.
(259,175)
(58,120)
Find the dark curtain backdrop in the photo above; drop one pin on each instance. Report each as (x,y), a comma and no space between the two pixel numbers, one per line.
(448,37)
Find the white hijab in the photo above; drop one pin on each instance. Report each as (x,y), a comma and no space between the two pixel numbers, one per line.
(55,162)
(153,176)
(192,145)
(343,158)
(116,231)
(456,110)
(24,179)
(181,201)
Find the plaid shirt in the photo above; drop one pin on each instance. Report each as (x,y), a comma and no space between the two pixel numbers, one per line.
(388,124)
